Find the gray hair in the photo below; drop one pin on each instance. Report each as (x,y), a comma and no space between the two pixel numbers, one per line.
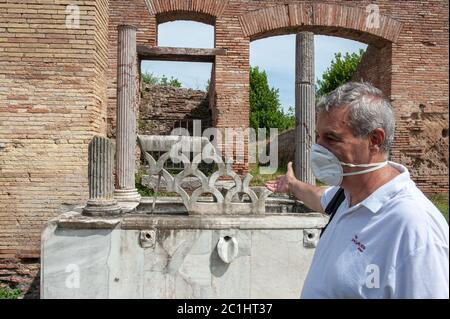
(369,110)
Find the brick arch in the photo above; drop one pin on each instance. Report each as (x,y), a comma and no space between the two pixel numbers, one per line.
(328,19)
(205,11)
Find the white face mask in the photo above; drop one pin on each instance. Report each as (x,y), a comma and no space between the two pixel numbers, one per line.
(328,169)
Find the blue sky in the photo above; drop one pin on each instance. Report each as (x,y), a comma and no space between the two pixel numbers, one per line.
(275,55)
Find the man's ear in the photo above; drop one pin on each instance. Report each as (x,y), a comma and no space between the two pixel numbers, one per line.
(376,140)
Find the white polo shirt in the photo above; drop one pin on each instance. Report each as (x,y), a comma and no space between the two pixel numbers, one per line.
(394,244)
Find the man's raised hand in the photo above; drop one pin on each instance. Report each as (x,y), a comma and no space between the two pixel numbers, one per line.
(283,182)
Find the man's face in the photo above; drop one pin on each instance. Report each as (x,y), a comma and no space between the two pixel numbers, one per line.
(333,132)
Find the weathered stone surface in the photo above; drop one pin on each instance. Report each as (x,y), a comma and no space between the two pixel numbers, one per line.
(310,238)
(226,275)
(78,271)
(125,264)
(100,173)
(305,106)
(421,139)
(183,262)
(77,220)
(188,183)
(47,155)
(286,221)
(178,54)
(273,275)
(224,203)
(163,108)
(126,115)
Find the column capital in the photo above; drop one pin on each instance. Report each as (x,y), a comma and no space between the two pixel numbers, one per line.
(127,26)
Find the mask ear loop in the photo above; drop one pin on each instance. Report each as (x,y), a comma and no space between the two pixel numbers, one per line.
(324,151)
(374,166)
(364,165)
(380,165)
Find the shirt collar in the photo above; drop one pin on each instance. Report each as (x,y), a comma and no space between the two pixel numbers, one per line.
(384,193)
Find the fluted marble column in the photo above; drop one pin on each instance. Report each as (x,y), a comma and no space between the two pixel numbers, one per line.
(101,181)
(305,115)
(126,115)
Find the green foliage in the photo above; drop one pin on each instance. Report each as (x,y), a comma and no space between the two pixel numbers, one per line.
(148,192)
(341,71)
(441,202)
(260,179)
(150,78)
(145,191)
(141,189)
(172,82)
(8,293)
(265,108)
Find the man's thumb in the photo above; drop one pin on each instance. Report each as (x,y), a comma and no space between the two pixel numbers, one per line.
(289,168)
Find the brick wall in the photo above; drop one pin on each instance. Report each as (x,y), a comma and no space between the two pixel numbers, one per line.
(132,12)
(164,107)
(373,68)
(420,93)
(414,73)
(286,152)
(52,101)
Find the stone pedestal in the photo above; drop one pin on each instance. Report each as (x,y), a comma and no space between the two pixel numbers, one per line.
(100,173)
(166,257)
(304,106)
(126,115)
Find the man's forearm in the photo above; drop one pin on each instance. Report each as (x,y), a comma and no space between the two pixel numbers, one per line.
(308,194)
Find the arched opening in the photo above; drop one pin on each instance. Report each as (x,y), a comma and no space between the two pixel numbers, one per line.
(175,81)
(276,58)
(175,87)
(185,34)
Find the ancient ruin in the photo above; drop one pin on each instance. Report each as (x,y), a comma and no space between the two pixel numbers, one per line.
(229,210)
(70,91)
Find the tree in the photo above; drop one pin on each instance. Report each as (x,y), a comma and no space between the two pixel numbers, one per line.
(340,72)
(150,78)
(172,82)
(265,107)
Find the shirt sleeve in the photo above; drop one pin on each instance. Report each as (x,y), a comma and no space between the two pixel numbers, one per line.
(422,275)
(328,195)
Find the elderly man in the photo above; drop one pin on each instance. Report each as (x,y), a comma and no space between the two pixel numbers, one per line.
(385,239)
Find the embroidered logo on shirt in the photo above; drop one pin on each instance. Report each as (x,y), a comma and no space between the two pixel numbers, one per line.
(361,247)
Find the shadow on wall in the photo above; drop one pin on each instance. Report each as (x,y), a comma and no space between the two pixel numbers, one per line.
(163,108)
(33,291)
